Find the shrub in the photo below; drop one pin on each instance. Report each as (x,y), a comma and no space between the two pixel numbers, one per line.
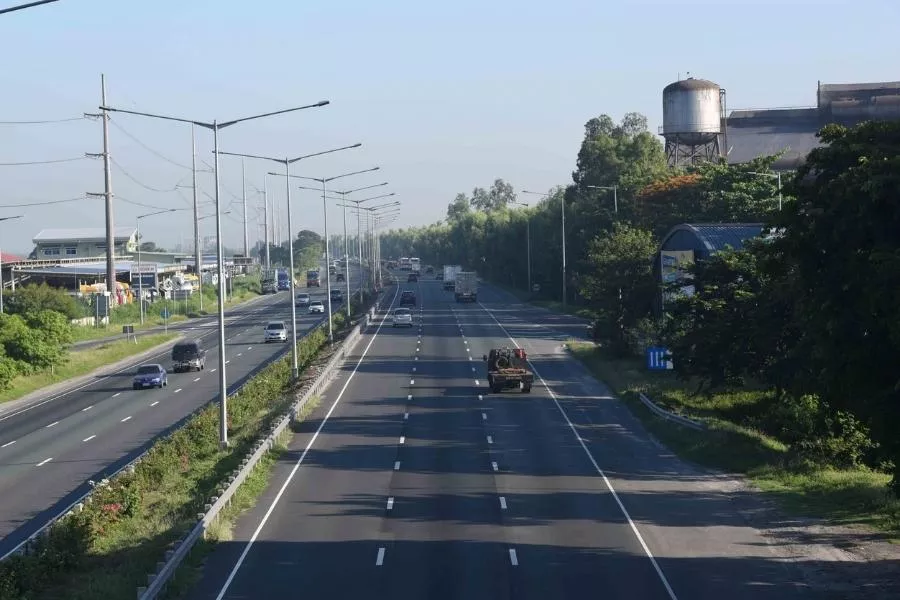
(31,299)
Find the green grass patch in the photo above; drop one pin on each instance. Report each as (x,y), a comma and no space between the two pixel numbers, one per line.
(735,444)
(82,362)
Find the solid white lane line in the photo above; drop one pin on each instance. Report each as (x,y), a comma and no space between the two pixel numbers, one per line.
(405,416)
(8,444)
(125,419)
(606,481)
(154,403)
(390,503)
(502,503)
(87,408)
(379,560)
(287,482)
(494,466)
(179,389)
(89,438)
(490,440)
(116,394)
(52,424)
(513,558)
(44,462)
(402,439)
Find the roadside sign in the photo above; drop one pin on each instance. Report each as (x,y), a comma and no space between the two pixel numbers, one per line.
(659,359)
(165,313)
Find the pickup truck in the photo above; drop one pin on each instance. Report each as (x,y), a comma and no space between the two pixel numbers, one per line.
(508,369)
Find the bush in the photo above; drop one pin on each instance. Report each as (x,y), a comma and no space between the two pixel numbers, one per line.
(32,299)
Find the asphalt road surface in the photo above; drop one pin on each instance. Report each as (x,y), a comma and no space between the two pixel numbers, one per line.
(51,449)
(412,481)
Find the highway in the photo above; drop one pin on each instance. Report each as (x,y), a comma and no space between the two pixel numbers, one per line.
(412,481)
(51,448)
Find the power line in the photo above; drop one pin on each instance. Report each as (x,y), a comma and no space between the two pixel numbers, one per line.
(126,200)
(148,148)
(42,162)
(43,122)
(24,6)
(140,183)
(42,203)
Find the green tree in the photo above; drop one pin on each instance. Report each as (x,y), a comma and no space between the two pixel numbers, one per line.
(31,299)
(458,208)
(29,347)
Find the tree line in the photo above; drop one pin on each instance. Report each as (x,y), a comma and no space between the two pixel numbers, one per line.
(809,310)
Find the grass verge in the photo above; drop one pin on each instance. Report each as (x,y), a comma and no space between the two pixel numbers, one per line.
(82,362)
(735,444)
(551,305)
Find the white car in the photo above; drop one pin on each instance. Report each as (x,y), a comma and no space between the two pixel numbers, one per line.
(316,307)
(275,331)
(403,317)
(302,300)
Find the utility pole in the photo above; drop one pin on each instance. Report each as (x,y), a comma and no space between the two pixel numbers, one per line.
(244,198)
(266,214)
(107,175)
(198,251)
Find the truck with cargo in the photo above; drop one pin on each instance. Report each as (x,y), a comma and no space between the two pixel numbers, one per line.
(508,369)
(284,280)
(450,272)
(465,286)
(312,278)
(268,281)
(415,265)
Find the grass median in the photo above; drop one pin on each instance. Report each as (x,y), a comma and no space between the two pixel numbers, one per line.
(107,549)
(738,440)
(82,362)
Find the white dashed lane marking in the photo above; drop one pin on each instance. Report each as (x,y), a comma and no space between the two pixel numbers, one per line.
(379,560)
(8,444)
(53,424)
(390,503)
(126,419)
(490,440)
(87,408)
(89,438)
(397,465)
(494,466)
(116,394)
(44,462)
(502,502)
(179,389)
(513,558)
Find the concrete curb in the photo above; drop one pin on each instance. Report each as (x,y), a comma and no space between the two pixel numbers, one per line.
(73,384)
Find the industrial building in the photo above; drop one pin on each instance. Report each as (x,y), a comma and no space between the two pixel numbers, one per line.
(82,243)
(696,129)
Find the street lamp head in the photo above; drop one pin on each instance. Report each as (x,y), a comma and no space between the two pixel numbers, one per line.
(323,103)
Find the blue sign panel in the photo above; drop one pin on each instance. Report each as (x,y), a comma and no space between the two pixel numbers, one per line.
(659,359)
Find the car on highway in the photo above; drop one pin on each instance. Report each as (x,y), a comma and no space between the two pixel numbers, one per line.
(412,278)
(407,297)
(275,331)
(302,300)
(403,317)
(152,375)
(429,270)
(188,355)
(340,277)
(337,296)
(316,307)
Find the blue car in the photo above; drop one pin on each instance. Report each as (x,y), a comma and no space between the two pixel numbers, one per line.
(150,376)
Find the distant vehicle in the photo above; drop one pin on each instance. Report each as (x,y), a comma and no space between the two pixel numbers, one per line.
(413,278)
(429,269)
(284,280)
(332,270)
(340,277)
(508,369)
(403,316)
(275,331)
(152,375)
(404,263)
(439,277)
(188,356)
(465,287)
(312,278)
(302,300)
(449,278)
(415,265)
(337,296)
(316,307)
(268,281)
(407,297)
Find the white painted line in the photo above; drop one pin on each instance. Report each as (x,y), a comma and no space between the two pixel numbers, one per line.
(409,397)
(52,424)
(116,394)
(494,466)
(402,439)
(606,481)
(417,358)
(125,419)
(87,408)
(178,390)
(466,342)
(89,438)
(476,382)
(44,462)
(8,444)
(417,349)
(473,369)
(484,416)
(390,503)
(154,403)
(480,397)
(490,440)
(290,477)
(502,503)
(513,558)
(196,380)
(379,560)
(212,370)
(414,369)
(405,416)
(412,382)
(249,347)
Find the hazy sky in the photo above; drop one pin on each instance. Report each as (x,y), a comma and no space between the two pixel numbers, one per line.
(444,96)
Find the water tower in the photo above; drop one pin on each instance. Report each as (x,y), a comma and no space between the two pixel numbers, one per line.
(693,117)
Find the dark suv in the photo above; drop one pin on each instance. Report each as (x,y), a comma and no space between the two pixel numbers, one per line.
(188,356)
(337,296)
(407,297)
(412,278)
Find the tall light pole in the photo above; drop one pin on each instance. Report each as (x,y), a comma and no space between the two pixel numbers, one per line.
(215,126)
(776,175)
(1,262)
(287,162)
(610,188)
(140,273)
(562,202)
(344,195)
(324,181)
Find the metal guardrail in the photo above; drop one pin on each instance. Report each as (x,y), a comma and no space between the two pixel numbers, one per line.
(156,582)
(670,416)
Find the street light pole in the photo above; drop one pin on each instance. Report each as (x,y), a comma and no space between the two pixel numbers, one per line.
(198,251)
(140,272)
(1,263)
(215,126)
(775,175)
(563,220)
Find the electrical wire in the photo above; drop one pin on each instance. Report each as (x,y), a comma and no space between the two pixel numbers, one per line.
(148,148)
(42,162)
(140,183)
(43,203)
(126,200)
(43,122)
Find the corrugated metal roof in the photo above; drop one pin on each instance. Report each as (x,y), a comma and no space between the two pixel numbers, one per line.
(717,236)
(750,141)
(82,235)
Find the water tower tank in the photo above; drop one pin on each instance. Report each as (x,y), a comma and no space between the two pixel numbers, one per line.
(692,111)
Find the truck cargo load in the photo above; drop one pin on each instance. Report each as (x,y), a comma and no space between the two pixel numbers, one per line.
(268,281)
(465,286)
(450,272)
(508,369)
(312,278)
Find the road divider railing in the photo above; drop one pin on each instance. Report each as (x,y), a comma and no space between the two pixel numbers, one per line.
(670,416)
(156,582)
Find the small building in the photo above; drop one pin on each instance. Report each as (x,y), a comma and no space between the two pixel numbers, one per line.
(82,243)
